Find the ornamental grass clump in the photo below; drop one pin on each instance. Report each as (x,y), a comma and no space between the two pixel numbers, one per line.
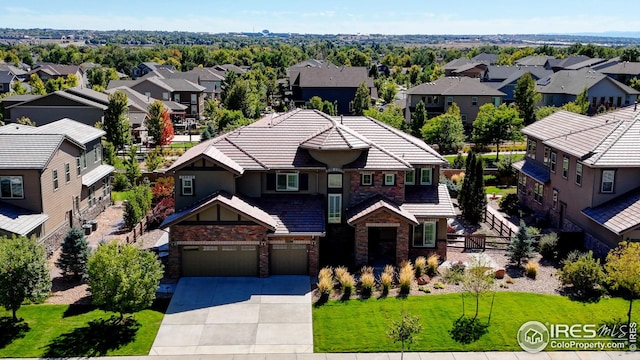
(531,269)
(420,266)
(367,281)
(405,278)
(325,284)
(432,265)
(346,281)
(386,279)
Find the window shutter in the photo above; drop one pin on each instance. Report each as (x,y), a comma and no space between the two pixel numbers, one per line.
(303,182)
(271,181)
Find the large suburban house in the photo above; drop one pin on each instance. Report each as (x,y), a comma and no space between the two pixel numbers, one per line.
(581,174)
(505,78)
(468,93)
(49,71)
(298,190)
(565,85)
(337,84)
(51,178)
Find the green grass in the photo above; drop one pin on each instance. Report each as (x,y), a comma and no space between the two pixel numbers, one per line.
(185,145)
(335,321)
(500,190)
(77,330)
(490,158)
(118,196)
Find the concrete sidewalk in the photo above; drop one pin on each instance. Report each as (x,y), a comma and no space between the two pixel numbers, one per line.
(558,355)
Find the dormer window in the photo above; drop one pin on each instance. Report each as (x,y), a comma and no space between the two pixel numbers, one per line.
(426,176)
(410,177)
(287,182)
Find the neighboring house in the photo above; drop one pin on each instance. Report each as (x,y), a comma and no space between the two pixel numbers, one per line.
(292,192)
(472,70)
(469,94)
(51,178)
(180,91)
(53,71)
(6,81)
(623,72)
(505,78)
(489,59)
(563,87)
(147,67)
(562,64)
(332,83)
(536,60)
(581,174)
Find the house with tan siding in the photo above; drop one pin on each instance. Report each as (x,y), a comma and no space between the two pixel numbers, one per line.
(296,191)
(51,178)
(582,174)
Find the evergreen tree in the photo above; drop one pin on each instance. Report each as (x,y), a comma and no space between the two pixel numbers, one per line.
(155,122)
(418,119)
(230,78)
(526,98)
(582,101)
(521,246)
(132,168)
(75,253)
(465,196)
(479,204)
(328,108)
(116,124)
(362,99)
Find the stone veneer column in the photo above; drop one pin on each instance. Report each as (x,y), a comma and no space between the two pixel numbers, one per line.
(362,245)
(264,259)
(313,259)
(402,243)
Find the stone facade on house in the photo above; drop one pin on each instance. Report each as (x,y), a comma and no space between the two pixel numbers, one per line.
(360,192)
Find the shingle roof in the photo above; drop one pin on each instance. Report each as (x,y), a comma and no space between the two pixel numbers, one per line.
(456,63)
(57,69)
(17,220)
(618,215)
(66,95)
(374,204)
(539,60)
(6,77)
(585,63)
(626,68)
(486,58)
(428,201)
(295,214)
(598,140)
(233,202)
(28,151)
(335,137)
(453,86)
(183,85)
(77,131)
(346,76)
(573,82)
(96,174)
(274,143)
(534,170)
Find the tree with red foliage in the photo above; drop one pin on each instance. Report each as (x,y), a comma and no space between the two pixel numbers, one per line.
(160,212)
(167,128)
(163,188)
(159,125)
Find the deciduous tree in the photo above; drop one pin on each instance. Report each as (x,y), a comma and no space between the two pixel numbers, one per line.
(526,97)
(623,271)
(116,124)
(23,272)
(418,119)
(493,125)
(362,99)
(445,130)
(404,331)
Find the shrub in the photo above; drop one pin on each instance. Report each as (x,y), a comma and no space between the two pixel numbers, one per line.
(510,204)
(490,180)
(160,212)
(432,265)
(438,285)
(367,281)
(420,266)
(325,286)
(163,188)
(458,162)
(120,182)
(74,256)
(346,281)
(425,289)
(583,273)
(386,279)
(457,178)
(521,246)
(455,274)
(531,269)
(454,188)
(549,246)
(405,278)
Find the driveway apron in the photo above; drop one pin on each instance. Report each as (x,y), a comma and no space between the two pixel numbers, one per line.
(237,315)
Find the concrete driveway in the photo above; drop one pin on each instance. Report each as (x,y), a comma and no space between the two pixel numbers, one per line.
(237,315)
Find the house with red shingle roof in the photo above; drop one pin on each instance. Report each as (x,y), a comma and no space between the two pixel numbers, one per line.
(582,175)
(296,191)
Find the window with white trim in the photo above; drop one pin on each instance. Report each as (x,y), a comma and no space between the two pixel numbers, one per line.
(194,98)
(165,96)
(608,176)
(578,174)
(67,172)
(186,185)
(424,234)
(366,179)
(334,181)
(83,158)
(176,98)
(553,159)
(474,100)
(565,167)
(538,192)
(335,208)
(531,149)
(410,177)
(522,181)
(426,176)
(11,187)
(97,152)
(287,182)
(78,168)
(389,179)
(449,100)
(55,179)
(547,154)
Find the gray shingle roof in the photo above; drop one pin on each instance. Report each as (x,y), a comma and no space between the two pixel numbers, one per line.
(620,147)
(486,58)
(17,220)
(428,201)
(6,77)
(79,132)
(66,95)
(539,60)
(183,85)
(295,214)
(618,215)
(96,174)
(573,82)
(455,86)
(28,151)
(626,68)
(331,76)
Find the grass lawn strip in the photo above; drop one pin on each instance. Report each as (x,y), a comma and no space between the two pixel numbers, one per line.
(50,325)
(361,325)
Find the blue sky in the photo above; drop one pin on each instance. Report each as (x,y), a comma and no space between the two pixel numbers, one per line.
(327,16)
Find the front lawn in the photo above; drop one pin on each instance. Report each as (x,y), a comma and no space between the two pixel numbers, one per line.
(502,191)
(361,325)
(77,330)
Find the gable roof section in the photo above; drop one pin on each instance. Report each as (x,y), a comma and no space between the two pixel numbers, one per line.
(375,204)
(6,77)
(333,77)
(460,86)
(620,147)
(618,215)
(573,82)
(178,84)
(56,69)
(79,132)
(335,137)
(428,201)
(207,150)
(233,202)
(16,220)
(66,95)
(534,60)
(29,151)
(623,68)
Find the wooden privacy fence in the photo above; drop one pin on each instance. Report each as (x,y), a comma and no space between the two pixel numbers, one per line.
(474,241)
(498,223)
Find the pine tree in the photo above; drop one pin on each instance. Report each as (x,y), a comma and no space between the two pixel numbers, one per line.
(75,253)
(521,246)
(465,197)
(478,206)
(116,124)
(418,119)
